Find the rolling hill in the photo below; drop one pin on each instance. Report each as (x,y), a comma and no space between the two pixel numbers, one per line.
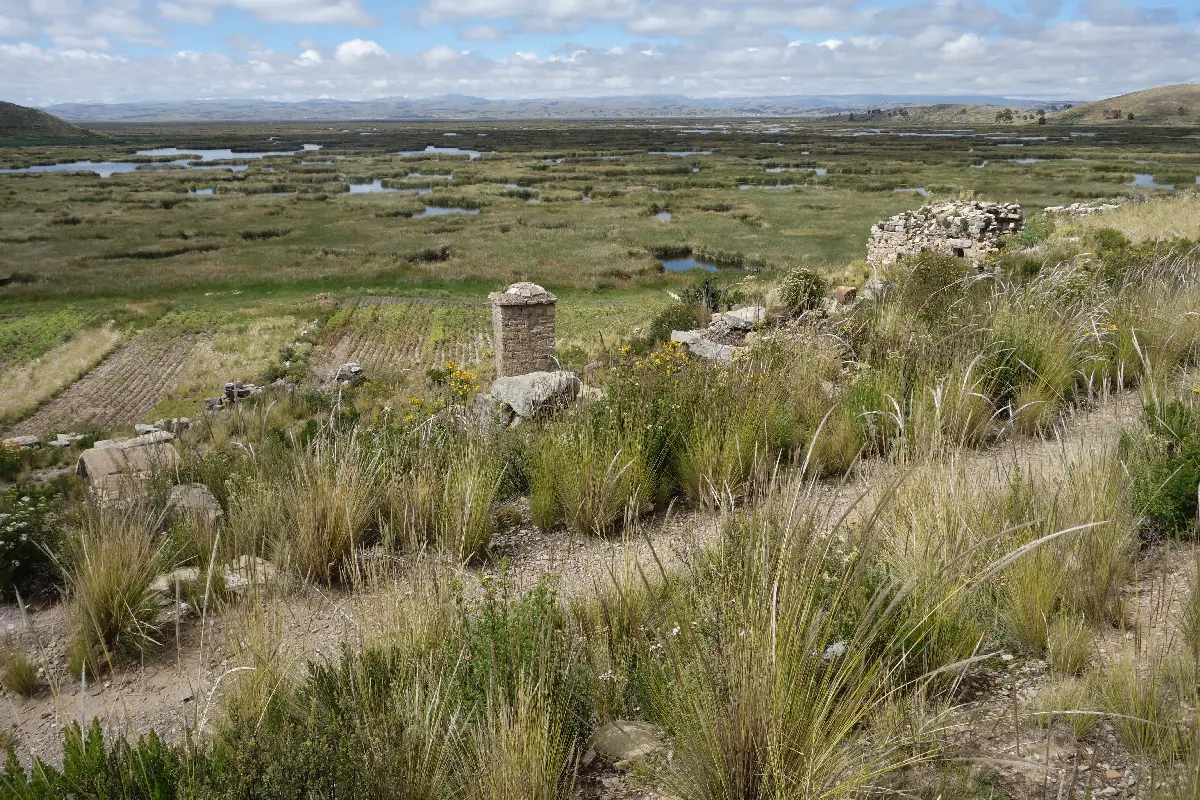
(19,123)
(1162,105)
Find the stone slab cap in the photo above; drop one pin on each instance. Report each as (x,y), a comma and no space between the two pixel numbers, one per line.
(522,294)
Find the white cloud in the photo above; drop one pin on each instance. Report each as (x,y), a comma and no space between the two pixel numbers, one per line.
(309,58)
(482,33)
(964,47)
(356,50)
(14,28)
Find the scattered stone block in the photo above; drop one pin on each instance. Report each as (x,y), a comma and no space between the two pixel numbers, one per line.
(350,374)
(22,442)
(141,429)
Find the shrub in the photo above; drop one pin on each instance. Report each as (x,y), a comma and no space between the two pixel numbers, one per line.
(802,290)
(934,287)
(29,532)
(675,317)
(1164,460)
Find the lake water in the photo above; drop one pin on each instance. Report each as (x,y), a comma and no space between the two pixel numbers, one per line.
(222,155)
(684,264)
(449,177)
(372,187)
(102,168)
(1083,133)
(199,192)
(439,211)
(679,153)
(746,186)
(663,216)
(1026,160)
(1146,181)
(913,190)
(447,151)
(979,166)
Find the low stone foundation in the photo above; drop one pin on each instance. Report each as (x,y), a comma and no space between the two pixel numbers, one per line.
(969,230)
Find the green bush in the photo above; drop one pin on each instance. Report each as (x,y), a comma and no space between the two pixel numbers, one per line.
(675,317)
(29,532)
(802,290)
(1164,460)
(934,287)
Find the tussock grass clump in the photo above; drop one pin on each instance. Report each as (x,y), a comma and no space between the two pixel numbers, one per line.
(111,557)
(1068,645)
(18,672)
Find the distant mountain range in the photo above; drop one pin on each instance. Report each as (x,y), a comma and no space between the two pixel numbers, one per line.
(461,107)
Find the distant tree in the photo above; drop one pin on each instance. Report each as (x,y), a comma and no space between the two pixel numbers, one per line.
(1130,116)
(1006,115)
(1182,111)
(852,116)
(1042,119)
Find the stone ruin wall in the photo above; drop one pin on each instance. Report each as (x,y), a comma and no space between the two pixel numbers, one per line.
(523,328)
(969,230)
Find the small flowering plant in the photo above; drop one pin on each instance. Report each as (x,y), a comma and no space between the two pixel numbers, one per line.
(28,524)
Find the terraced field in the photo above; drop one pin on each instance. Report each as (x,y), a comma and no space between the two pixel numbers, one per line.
(392,335)
(118,392)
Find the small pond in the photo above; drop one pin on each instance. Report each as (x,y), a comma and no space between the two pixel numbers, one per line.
(447,151)
(439,211)
(746,186)
(684,264)
(921,190)
(372,188)
(1146,181)
(814,170)
(663,216)
(201,192)
(679,153)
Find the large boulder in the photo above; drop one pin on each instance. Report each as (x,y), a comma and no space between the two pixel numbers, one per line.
(116,470)
(536,393)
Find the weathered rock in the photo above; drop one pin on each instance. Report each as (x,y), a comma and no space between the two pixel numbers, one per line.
(22,442)
(624,741)
(493,413)
(195,501)
(165,584)
(141,429)
(536,393)
(174,424)
(969,230)
(247,571)
(724,335)
(350,374)
(214,403)
(845,294)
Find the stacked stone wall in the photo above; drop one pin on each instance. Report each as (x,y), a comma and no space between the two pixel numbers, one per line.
(969,230)
(523,327)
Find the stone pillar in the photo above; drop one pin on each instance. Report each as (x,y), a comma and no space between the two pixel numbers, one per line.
(523,329)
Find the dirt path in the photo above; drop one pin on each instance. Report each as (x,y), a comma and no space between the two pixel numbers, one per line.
(172,689)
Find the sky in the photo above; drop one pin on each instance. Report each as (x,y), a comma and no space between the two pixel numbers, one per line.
(55,51)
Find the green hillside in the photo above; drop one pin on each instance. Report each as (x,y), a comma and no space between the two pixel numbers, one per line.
(19,123)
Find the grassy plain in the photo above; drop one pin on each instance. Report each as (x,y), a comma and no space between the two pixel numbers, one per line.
(866,556)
